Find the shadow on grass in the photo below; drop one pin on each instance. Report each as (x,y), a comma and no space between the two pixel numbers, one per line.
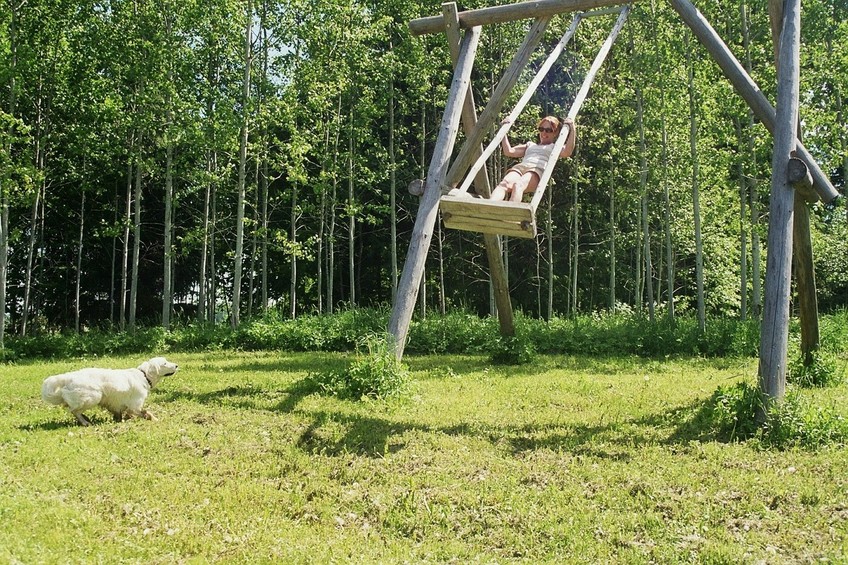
(51,425)
(310,363)
(615,441)
(338,432)
(248,397)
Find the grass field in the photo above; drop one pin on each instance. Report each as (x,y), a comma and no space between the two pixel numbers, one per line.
(567,460)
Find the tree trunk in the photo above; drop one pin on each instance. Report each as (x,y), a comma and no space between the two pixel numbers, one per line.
(331,222)
(212,312)
(4,258)
(136,256)
(4,190)
(750,183)
(351,219)
(643,191)
(125,255)
(31,250)
(696,204)
(202,284)
(843,141)
(743,224)
(612,239)
(263,184)
(293,283)
(78,282)
(392,186)
(40,141)
(775,327)
(168,259)
(242,171)
(575,242)
(669,250)
(549,234)
(262,171)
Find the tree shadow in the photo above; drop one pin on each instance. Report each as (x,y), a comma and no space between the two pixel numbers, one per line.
(616,441)
(249,397)
(313,362)
(338,432)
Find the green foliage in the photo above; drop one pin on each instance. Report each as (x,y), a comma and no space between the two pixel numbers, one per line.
(455,332)
(375,374)
(96,343)
(797,422)
(820,372)
(512,350)
(733,413)
(618,334)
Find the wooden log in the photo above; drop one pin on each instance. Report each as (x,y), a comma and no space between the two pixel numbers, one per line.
(800,178)
(497,271)
(428,209)
(774,333)
(802,244)
(805,277)
(748,89)
(482,208)
(489,226)
(508,13)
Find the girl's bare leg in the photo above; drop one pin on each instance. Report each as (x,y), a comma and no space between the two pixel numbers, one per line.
(507,185)
(528,184)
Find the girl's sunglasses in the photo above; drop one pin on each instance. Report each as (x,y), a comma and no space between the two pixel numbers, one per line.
(547,130)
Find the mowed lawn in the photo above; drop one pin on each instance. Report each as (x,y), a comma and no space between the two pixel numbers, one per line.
(568,460)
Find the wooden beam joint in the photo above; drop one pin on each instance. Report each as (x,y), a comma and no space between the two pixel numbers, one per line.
(801,179)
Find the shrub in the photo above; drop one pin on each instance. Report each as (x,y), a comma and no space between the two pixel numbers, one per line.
(377,374)
(795,422)
(512,350)
(732,414)
(819,373)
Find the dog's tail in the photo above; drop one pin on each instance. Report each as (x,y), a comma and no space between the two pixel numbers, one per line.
(51,391)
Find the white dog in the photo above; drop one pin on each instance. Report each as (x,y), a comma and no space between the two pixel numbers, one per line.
(120,391)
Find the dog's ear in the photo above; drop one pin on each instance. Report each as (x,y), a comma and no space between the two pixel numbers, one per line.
(144,367)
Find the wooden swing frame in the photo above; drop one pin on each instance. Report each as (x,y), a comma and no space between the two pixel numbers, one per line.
(789,189)
(518,219)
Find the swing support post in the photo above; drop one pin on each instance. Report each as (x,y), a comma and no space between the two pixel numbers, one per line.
(497,270)
(428,210)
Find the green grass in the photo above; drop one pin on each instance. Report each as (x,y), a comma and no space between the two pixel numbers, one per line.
(567,459)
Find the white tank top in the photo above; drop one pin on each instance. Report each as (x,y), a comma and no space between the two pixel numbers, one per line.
(537,155)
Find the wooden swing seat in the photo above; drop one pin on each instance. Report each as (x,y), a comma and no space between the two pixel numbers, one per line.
(515,219)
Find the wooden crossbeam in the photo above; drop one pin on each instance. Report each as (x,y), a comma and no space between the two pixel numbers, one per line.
(508,13)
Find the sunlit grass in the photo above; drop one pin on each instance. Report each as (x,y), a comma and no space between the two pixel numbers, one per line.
(562,460)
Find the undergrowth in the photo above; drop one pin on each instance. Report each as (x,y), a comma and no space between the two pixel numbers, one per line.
(454,333)
(733,413)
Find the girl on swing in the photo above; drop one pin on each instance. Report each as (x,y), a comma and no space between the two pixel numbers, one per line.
(523,177)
